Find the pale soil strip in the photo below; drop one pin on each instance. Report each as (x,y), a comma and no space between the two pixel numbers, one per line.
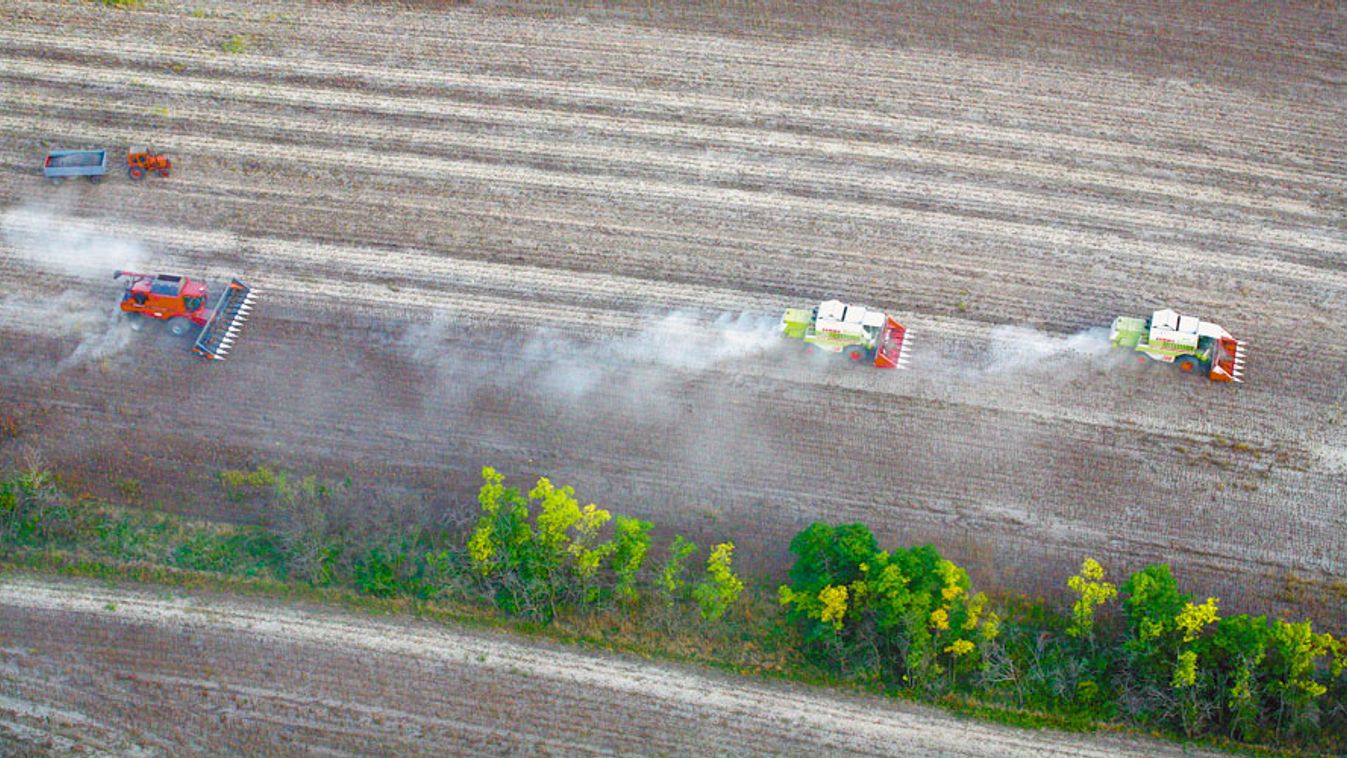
(755,109)
(836,723)
(471,38)
(1163,258)
(668,134)
(705,167)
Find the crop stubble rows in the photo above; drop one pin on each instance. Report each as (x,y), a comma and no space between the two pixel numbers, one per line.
(515,176)
(211,674)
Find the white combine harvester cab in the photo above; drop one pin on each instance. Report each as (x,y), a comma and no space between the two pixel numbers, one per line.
(836,317)
(1169,327)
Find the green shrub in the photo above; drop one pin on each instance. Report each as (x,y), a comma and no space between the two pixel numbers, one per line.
(248,552)
(236,44)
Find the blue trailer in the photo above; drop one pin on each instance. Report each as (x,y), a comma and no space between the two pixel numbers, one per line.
(91,164)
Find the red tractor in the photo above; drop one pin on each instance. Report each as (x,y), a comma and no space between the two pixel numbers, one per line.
(183,304)
(140,161)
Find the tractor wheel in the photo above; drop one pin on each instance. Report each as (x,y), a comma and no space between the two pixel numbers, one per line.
(178,327)
(140,298)
(855,353)
(1189,365)
(135,173)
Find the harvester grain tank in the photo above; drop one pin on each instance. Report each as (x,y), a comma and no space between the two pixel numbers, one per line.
(1195,346)
(859,333)
(182,303)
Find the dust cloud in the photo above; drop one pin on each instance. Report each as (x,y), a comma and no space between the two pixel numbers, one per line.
(1015,353)
(50,239)
(1019,348)
(683,341)
(644,373)
(78,298)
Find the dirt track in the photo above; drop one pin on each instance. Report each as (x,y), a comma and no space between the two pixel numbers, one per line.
(430,198)
(137,673)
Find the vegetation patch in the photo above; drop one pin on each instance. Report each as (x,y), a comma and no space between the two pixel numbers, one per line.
(1142,654)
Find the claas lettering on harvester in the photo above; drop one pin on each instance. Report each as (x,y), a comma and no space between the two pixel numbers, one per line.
(861,334)
(1195,346)
(182,303)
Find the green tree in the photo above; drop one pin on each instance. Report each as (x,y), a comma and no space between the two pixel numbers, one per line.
(672,584)
(1165,638)
(631,542)
(1293,657)
(905,616)
(1235,651)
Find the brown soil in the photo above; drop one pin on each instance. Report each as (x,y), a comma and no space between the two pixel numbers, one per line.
(451,210)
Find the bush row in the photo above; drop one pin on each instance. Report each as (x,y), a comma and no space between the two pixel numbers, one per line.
(904,620)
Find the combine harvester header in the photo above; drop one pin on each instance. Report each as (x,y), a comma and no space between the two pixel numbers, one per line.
(1193,345)
(859,333)
(181,303)
(218,335)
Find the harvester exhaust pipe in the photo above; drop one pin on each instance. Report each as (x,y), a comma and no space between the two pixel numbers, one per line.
(219,334)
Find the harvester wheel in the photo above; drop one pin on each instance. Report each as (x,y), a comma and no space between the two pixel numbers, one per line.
(1188,364)
(854,353)
(135,173)
(178,327)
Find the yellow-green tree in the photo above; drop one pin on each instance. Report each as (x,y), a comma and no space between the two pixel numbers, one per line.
(1091,592)
(720,588)
(535,564)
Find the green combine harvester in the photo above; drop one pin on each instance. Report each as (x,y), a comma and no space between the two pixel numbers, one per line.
(859,333)
(1194,346)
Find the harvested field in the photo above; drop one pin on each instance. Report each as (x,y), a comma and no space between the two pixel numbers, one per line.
(137,673)
(471,226)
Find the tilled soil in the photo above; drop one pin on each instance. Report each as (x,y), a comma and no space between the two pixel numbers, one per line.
(469,224)
(132,672)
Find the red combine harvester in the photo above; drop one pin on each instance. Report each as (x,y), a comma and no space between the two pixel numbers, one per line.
(184,303)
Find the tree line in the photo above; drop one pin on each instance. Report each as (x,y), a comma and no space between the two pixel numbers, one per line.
(903,620)
(1146,652)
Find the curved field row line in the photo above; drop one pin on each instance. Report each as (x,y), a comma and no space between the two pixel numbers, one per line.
(926,284)
(315,129)
(1165,257)
(654,101)
(474,39)
(749,711)
(492,297)
(926,77)
(668,134)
